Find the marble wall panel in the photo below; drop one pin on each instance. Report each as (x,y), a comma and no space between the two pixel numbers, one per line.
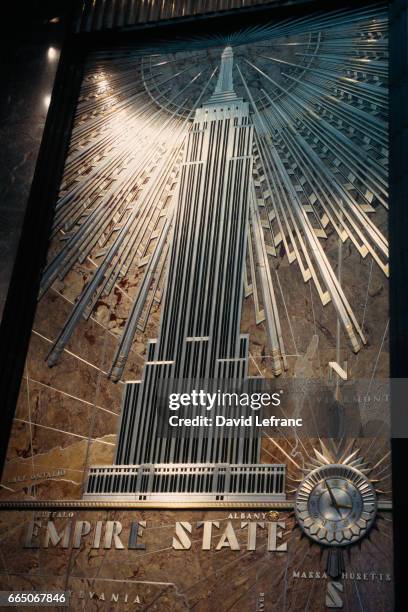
(162,578)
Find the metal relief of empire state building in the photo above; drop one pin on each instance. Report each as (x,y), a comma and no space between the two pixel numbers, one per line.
(199,335)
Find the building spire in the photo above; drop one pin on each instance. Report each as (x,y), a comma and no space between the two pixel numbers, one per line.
(224,90)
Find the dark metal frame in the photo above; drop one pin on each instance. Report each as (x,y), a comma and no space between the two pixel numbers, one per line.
(398,234)
(31,256)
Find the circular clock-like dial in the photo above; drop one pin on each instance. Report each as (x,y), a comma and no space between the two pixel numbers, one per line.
(335,505)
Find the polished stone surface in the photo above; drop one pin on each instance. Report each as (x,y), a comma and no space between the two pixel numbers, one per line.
(27,76)
(160,577)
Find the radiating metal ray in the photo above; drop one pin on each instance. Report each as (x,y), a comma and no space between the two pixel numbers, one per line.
(312,119)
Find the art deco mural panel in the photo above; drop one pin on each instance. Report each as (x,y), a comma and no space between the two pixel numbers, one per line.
(222,216)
